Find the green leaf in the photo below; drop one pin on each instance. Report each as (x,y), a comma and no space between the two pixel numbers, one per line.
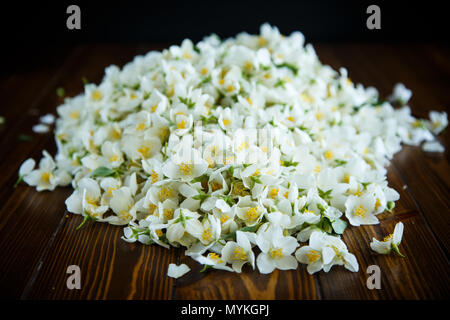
(103,172)
(60,92)
(206,267)
(339,226)
(321,208)
(290,66)
(287,163)
(201,196)
(84,80)
(256,179)
(188,102)
(280,83)
(340,162)
(365,184)
(390,206)
(244,229)
(396,250)
(24,137)
(209,120)
(326,195)
(325,225)
(206,79)
(200,178)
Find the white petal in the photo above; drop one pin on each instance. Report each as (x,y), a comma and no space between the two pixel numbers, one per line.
(398,233)
(26,167)
(264,263)
(175,271)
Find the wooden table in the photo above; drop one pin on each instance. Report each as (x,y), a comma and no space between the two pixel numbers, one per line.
(38,240)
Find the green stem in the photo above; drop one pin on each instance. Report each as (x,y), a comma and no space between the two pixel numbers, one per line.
(395,248)
(86,218)
(19,180)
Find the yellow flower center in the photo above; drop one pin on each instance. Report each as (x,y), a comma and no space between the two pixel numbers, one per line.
(206,234)
(168,213)
(319,116)
(152,208)
(377,204)
(273,192)
(158,232)
(387,238)
(329,155)
(230,88)
(313,255)
(307,98)
(154,176)
(276,253)
(226,122)
(242,146)
(317,168)
(45,177)
(74,114)
(144,151)
(360,211)
(215,257)
(182,124)
(204,71)
(165,193)
(141,127)
(96,95)
(239,254)
(186,168)
(113,158)
(224,218)
(252,213)
(125,215)
(216,186)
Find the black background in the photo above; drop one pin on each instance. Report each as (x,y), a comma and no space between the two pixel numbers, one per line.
(34,28)
(43,23)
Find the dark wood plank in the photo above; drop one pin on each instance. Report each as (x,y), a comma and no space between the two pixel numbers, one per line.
(217,284)
(39,214)
(110,267)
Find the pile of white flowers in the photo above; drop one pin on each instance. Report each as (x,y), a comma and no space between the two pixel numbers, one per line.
(238,150)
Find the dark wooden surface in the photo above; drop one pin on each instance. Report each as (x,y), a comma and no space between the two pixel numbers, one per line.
(38,240)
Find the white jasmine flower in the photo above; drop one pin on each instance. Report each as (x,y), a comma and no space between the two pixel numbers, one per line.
(401,94)
(44,177)
(276,251)
(390,242)
(360,210)
(238,253)
(438,121)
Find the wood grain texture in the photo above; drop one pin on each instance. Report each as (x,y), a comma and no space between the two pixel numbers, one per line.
(38,240)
